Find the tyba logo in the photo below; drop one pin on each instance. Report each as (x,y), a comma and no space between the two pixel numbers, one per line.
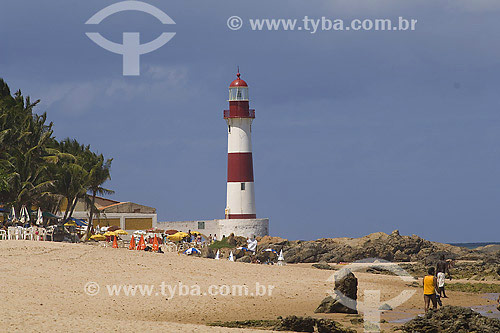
(131,49)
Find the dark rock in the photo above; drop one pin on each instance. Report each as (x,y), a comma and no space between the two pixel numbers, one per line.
(322,265)
(246,258)
(385,307)
(207,252)
(452,319)
(296,324)
(348,286)
(308,324)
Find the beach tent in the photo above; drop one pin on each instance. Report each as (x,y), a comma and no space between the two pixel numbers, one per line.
(191,251)
(281,259)
(217,255)
(231,257)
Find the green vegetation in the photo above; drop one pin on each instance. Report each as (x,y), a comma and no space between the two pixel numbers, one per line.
(478,288)
(223,243)
(38,170)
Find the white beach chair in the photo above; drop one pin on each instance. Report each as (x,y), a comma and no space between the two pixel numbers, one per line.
(11,233)
(3,234)
(25,233)
(19,233)
(42,234)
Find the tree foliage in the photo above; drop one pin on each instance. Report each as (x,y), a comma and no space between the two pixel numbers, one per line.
(38,170)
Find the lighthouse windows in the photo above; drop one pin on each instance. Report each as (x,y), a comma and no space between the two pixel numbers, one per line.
(242,186)
(238,94)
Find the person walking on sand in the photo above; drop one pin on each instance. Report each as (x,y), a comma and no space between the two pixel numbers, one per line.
(442,268)
(430,287)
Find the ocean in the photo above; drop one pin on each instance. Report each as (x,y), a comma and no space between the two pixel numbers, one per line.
(473,245)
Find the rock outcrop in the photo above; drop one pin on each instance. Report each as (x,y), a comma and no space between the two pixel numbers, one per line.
(452,319)
(393,247)
(346,286)
(308,324)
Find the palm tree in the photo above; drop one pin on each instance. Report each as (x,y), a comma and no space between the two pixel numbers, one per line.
(99,173)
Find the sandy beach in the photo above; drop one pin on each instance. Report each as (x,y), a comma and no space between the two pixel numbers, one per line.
(42,285)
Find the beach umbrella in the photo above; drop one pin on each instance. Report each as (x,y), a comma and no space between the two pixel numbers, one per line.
(217,255)
(12,216)
(231,257)
(170,232)
(109,233)
(39,217)
(271,250)
(24,216)
(70,223)
(196,233)
(140,232)
(98,237)
(121,232)
(191,251)
(177,237)
(113,228)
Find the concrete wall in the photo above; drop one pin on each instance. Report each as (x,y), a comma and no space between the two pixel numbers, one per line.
(243,227)
(112,216)
(211,226)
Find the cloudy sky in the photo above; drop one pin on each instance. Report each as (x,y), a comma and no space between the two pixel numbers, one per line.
(355,131)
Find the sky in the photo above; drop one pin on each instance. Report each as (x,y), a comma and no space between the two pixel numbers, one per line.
(355,131)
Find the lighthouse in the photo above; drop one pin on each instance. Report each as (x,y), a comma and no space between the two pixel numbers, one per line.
(240,218)
(240,202)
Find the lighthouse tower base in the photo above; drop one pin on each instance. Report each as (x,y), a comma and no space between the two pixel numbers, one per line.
(244,227)
(223,227)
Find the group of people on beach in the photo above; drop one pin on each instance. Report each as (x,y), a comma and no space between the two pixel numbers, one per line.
(434,283)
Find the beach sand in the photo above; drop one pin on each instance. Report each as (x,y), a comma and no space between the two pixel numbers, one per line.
(42,288)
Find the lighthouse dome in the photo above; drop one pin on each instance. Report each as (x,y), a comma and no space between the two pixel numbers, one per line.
(238,82)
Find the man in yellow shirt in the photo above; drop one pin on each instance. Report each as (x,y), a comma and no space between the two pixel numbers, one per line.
(430,287)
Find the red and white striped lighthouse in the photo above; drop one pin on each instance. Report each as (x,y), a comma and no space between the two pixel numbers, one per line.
(240,185)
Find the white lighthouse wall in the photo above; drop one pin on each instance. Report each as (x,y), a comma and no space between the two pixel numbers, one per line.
(244,227)
(241,201)
(239,138)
